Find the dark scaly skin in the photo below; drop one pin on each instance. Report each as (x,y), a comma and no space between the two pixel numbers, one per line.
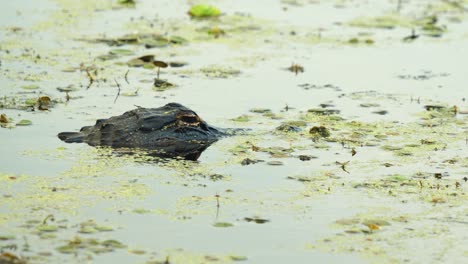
(172,130)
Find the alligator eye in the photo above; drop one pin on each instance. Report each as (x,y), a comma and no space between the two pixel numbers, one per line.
(188,118)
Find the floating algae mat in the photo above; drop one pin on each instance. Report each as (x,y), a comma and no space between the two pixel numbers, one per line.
(350,139)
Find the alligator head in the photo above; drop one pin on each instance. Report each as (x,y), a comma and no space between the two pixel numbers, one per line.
(170,131)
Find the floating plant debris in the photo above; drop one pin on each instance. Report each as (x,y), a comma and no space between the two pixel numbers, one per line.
(147,40)
(319,131)
(296,68)
(204,11)
(248,161)
(24,122)
(222,224)
(162,85)
(256,220)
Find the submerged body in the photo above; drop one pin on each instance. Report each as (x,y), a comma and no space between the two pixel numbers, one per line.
(172,130)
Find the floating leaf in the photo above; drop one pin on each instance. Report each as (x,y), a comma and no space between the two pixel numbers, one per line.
(288,128)
(216,32)
(30,102)
(319,131)
(387,22)
(256,220)
(130,94)
(104,228)
(275,163)
(135,63)
(128,3)
(215,71)
(155,43)
(107,57)
(204,11)
(367,105)
(7,237)
(162,85)
(222,224)
(141,211)
(70,69)
(177,64)
(149,66)
(137,251)
(377,222)
(68,249)
(122,52)
(238,258)
(177,40)
(242,118)
(69,88)
(113,244)
(87,230)
(321,111)
(348,221)
(146,58)
(24,122)
(30,87)
(48,235)
(260,110)
(47,228)
(160,64)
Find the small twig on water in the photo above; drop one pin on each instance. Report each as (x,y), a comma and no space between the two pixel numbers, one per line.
(217,206)
(49,217)
(118,91)
(343,165)
(126,76)
(91,79)
(399,5)
(217,200)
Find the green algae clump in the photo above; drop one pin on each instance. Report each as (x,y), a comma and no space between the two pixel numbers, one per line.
(204,11)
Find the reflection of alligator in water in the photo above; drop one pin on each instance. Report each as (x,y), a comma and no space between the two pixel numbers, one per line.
(169,131)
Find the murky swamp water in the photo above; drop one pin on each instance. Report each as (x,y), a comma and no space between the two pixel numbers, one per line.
(385,183)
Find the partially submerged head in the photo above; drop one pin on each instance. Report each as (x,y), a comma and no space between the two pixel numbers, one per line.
(168,131)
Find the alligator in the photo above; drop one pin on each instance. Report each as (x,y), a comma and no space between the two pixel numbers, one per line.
(169,131)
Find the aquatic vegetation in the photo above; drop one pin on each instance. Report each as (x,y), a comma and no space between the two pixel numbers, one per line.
(216,32)
(160,85)
(159,65)
(204,11)
(144,39)
(296,68)
(10,258)
(28,102)
(215,71)
(256,220)
(128,3)
(357,41)
(222,224)
(242,118)
(369,174)
(387,22)
(77,244)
